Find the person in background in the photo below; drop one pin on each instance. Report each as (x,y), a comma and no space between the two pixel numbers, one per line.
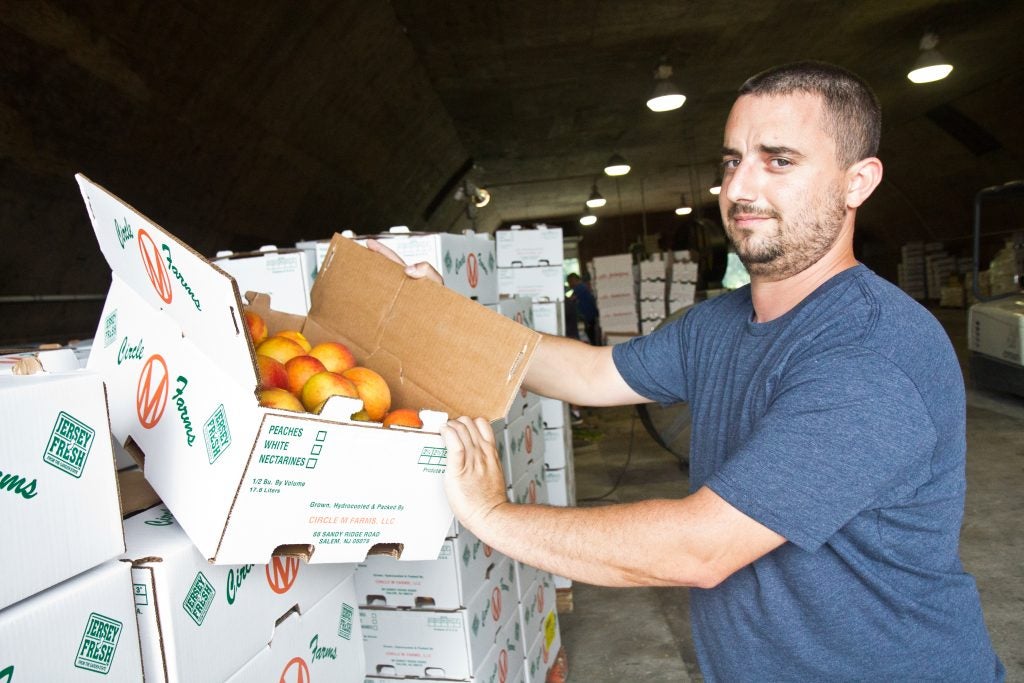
(586,307)
(820,537)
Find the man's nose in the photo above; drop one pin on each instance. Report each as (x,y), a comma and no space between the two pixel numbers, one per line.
(740,184)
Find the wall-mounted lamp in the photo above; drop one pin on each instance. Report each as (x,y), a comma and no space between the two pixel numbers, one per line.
(930,65)
(666,95)
(596,201)
(616,166)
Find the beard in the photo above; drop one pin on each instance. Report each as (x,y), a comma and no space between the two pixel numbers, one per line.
(797,242)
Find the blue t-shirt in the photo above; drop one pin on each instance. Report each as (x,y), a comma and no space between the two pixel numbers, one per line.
(841,426)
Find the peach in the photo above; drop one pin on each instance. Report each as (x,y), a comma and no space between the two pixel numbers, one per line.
(334,355)
(257,328)
(280,349)
(273,374)
(403,417)
(299,370)
(296,336)
(281,399)
(373,390)
(322,386)
(362,416)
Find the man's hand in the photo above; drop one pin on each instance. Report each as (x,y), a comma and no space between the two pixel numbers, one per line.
(473,479)
(417,270)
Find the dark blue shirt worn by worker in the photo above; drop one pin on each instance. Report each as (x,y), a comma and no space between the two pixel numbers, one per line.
(586,305)
(840,425)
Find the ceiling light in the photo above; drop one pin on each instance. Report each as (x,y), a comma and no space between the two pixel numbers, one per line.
(588,218)
(717,187)
(616,166)
(930,65)
(684,208)
(666,95)
(596,201)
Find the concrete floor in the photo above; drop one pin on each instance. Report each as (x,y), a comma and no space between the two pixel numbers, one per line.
(643,634)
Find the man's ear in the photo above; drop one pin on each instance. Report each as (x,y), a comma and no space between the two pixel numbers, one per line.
(862,179)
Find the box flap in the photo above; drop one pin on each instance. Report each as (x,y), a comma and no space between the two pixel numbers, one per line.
(436,348)
(202,299)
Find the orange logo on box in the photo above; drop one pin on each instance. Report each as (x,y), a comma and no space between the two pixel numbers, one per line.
(496,603)
(472,270)
(296,671)
(532,495)
(519,318)
(281,573)
(155,268)
(487,550)
(544,652)
(152,391)
(529,439)
(540,599)
(502,666)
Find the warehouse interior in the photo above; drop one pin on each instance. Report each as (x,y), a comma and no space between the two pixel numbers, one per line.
(238,125)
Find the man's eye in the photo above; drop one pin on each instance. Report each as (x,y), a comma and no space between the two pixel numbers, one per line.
(730,163)
(780,163)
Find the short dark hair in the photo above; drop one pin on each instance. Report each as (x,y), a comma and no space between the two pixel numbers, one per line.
(853,117)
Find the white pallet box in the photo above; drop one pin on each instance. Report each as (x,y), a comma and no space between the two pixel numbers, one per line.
(996,329)
(561,486)
(321,643)
(526,576)
(653,289)
(524,247)
(652,309)
(549,317)
(59,502)
(616,284)
(624,322)
(198,620)
(315,250)
(541,630)
(452,644)
(610,306)
(554,413)
(524,443)
(518,308)
(242,479)
(561,582)
(530,488)
(617,264)
(558,447)
(286,275)
(540,283)
(684,271)
(78,631)
(447,583)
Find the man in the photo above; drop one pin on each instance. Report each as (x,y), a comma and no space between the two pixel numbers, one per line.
(828,442)
(586,307)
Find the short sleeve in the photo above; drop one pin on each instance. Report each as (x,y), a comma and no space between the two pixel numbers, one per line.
(654,365)
(846,431)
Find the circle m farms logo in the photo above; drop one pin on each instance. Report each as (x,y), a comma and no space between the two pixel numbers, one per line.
(472,270)
(528,438)
(295,671)
(502,666)
(153,263)
(152,391)
(496,603)
(281,573)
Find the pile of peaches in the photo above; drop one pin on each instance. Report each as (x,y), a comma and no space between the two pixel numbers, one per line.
(295,375)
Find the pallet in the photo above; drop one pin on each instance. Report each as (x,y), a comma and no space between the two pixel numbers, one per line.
(563,600)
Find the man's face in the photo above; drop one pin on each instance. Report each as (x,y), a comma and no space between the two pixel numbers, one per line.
(783,200)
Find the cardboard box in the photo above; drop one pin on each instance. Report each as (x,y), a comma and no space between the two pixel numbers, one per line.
(80,630)
(286,275)
(199,621)
(530,487)
(540,656)
(439,644)
(539,246)
(561,486)
(524,443)
(245,481)
(58,491)
(323,643)
(541,283)
(34,361)
(466,262)
(554,413)
(996,328)
(448,583)
(549,317)
(557,448)
(526,576)
(537,602)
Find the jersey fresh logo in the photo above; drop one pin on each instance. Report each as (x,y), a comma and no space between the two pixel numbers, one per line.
(199,598)
(99,642)
(216,434)
(69,445)
(110,329)
(153,262)
(281,573)
(345,621)
(296,671)
(152,391)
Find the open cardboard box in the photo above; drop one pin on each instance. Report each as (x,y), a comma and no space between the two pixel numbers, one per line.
(246,482)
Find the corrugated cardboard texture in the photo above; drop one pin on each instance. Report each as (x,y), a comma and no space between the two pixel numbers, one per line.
(436,348)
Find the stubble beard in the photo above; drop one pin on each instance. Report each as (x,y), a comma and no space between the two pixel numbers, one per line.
(795,245)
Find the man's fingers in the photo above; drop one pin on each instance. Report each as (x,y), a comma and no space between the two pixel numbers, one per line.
(424,270)
(485,430)
(374,245)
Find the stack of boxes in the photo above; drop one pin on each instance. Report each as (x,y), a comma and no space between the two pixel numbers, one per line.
(285,275)
(682,281)
(911,272)
(66,609)
(614,282)
(652,292)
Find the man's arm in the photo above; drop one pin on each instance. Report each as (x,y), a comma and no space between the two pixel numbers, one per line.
(697,541)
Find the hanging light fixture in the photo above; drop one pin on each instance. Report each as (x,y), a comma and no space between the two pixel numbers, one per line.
(717,187)
(930,65)
(684,209)
(666,95)
(588,218)
(595,201)
(616,166)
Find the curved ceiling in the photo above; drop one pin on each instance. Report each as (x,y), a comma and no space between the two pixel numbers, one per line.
(241,124)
